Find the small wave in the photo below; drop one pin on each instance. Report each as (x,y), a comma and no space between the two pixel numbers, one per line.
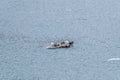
(114,59)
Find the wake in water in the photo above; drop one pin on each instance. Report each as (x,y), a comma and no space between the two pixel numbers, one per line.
(114,59)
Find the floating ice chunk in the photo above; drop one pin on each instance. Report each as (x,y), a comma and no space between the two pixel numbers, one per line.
(52,43)
(67,42)
(114,59)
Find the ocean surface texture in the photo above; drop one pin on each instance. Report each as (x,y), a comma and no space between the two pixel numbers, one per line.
(27,27)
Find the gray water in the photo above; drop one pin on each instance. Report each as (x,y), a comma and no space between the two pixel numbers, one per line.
(28,26)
